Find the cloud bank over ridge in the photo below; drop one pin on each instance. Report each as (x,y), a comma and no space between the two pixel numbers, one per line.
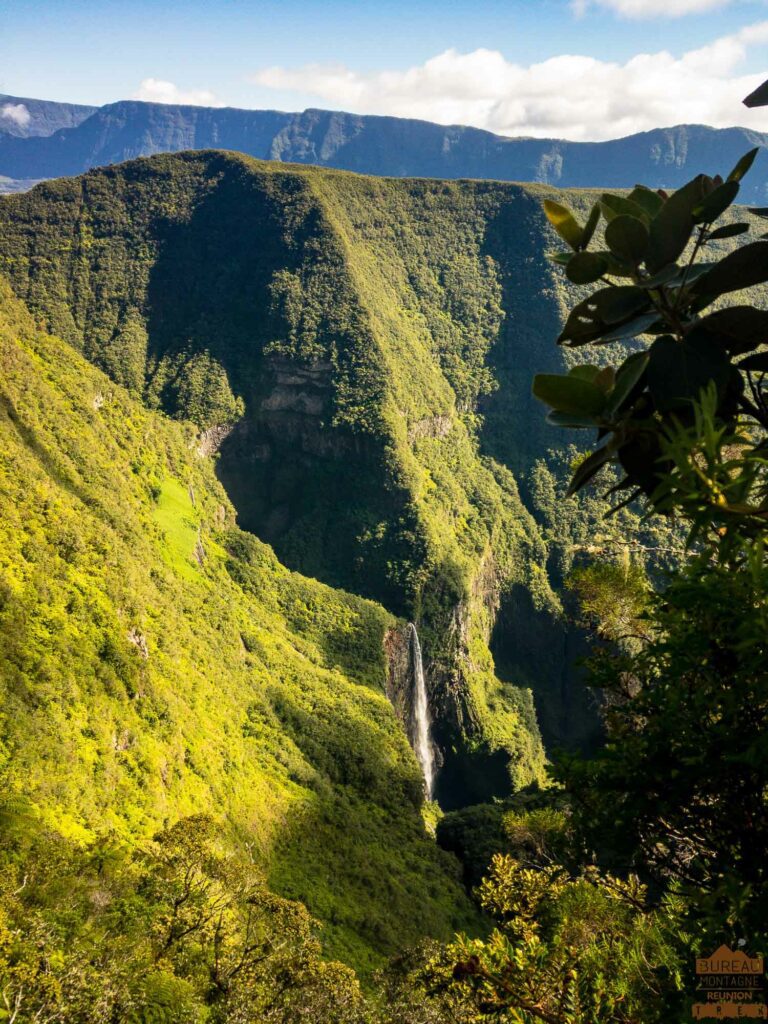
(156,90)
(567,96)
(15,112)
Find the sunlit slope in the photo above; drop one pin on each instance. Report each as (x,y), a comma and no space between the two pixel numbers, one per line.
(158,662)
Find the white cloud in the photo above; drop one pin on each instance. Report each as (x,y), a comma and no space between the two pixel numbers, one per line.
(651,8)
(17,113)
(155,90)
(567,96)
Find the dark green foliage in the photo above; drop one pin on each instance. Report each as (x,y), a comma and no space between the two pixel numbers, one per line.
(687,745)
(684,677)
(474,834)
(635,405)
(124,356)
(568,949)
(182,929)
(203,394)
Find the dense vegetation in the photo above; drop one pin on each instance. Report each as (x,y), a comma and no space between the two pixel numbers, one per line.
(157,662)
(197,744)
(368,345)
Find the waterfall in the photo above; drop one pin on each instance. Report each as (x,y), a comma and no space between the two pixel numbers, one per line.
(420,717)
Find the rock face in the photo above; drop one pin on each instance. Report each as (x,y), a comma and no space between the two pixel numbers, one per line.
(211,440)
(398,655)
(78,138)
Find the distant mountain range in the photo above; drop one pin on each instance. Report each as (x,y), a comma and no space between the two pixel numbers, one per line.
(41,139)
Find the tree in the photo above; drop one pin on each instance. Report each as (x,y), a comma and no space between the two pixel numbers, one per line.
(680,792)
(654,285)
(568,949)
(678,798)
(183,931)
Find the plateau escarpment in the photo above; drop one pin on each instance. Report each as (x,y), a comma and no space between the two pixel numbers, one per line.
(79,138)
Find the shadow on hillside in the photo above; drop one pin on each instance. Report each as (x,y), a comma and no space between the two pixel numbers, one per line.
(314,491)
(353,846)
(514,430)
(531,647)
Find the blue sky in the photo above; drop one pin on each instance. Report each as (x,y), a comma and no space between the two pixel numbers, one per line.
(614,65)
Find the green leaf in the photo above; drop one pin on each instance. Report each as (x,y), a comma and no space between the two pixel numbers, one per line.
(616,304)
(696,271)
(671,229)
(736,329)
(716,203)
(728,231)
(741,268)
(568,394)
(758,211)
(679,370)
(564,223)
(631,329)
(560,257)
(585,371)
(597,314)
(627,238)
(585,268)
(605,379)
(615,267)
(618,206)
(639,457)
(589,228)
(567,419)
(664,276)
(649,200)
(628,376)
(743,165)
(588,468)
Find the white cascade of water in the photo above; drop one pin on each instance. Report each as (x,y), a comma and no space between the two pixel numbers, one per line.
(422,721)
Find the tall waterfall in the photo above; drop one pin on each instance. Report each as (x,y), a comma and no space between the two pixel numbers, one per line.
(420,717)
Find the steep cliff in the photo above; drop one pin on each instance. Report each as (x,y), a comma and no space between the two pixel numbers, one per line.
(340,334)
(24,118)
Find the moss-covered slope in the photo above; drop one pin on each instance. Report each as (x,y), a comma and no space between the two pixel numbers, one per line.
(157,662)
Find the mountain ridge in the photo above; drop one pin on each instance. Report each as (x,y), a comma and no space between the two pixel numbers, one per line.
(375,144)
(24,117)
(352,456)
